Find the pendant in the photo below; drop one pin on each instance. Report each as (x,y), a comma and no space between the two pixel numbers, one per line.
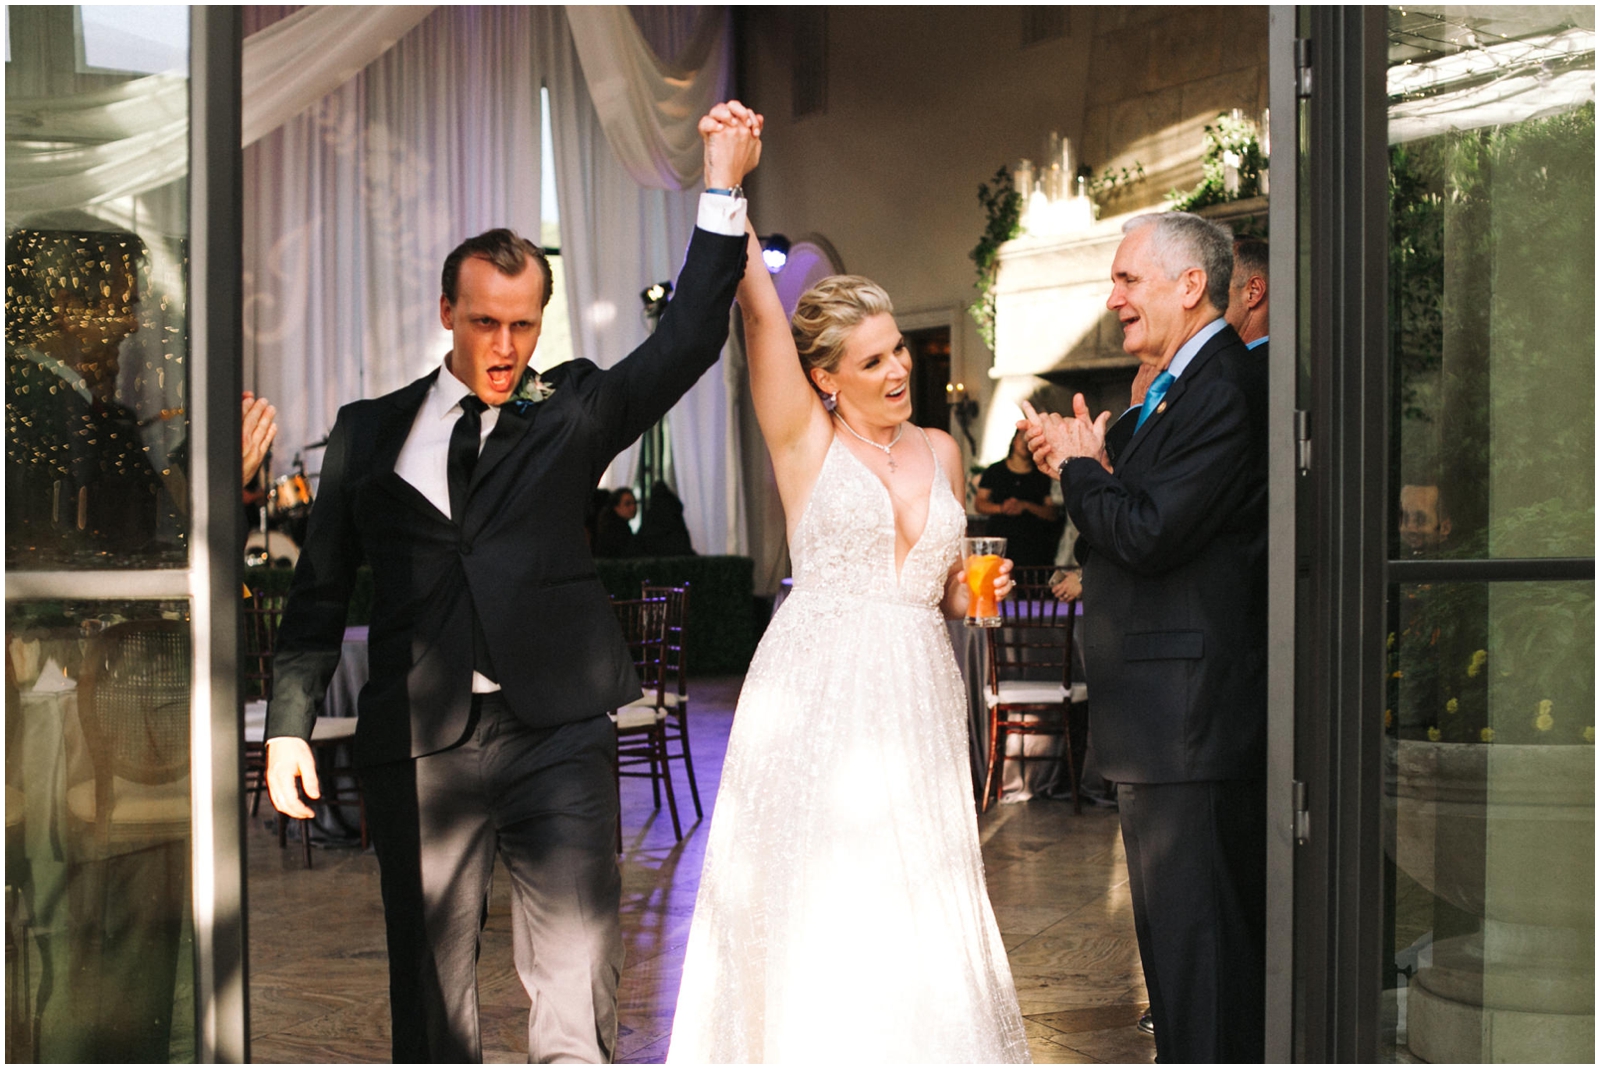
(892,465)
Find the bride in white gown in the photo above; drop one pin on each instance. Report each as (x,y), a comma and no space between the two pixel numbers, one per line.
(842,911)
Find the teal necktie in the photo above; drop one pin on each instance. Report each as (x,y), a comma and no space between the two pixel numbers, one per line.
(1158,390)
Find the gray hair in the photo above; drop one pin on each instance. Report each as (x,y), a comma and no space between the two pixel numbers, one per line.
(1181,241)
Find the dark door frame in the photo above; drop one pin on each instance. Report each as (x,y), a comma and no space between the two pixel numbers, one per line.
(216,292)
(1342,241)
(1337,211)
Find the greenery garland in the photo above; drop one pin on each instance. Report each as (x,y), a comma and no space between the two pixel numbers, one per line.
(1002,207)
(1228,134)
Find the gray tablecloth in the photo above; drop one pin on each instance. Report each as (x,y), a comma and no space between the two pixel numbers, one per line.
(350,676)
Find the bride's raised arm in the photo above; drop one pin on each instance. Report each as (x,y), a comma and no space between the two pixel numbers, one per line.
(793,420)
(787,407)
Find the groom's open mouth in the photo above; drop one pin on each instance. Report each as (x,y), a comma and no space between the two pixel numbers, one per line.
(502,377)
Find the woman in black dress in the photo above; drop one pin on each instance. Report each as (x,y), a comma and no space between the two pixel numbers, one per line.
(1015,496)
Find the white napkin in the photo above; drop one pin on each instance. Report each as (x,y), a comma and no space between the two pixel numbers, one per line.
(52,680)
(25,658)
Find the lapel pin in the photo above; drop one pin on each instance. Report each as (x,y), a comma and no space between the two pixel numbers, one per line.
(1162,407)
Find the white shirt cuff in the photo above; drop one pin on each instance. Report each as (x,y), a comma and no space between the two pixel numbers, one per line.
(722,214)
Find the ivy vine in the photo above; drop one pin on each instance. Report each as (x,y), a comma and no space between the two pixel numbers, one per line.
(1002,209)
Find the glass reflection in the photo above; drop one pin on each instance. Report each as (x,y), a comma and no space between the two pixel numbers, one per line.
(1489,822)
(1489,719)
(83,485)
(96,326)
(97,832)
(1491,172)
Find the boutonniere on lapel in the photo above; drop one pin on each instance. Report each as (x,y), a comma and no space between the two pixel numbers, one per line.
(531,391)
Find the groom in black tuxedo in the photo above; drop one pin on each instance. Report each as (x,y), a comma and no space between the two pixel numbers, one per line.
(495,654)
(1175,626)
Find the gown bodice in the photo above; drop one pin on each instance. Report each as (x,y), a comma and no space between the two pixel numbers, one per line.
(844,544)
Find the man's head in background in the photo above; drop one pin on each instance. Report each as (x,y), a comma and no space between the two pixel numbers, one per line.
(1247,293)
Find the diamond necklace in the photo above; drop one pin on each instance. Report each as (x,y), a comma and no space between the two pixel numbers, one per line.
(902,429)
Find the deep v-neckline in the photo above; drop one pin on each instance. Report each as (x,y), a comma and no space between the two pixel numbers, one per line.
(900,565)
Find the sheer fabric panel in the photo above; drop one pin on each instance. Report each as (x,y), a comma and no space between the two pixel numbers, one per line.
(352,206)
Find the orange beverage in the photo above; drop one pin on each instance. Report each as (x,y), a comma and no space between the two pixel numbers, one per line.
(983,557)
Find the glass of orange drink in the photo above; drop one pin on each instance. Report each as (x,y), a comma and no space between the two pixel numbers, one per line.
(982,557)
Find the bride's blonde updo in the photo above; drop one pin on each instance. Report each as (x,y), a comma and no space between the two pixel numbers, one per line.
(826,315)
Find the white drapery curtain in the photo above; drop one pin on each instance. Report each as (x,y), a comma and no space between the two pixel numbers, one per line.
(649,99)
(293,63)
(618,238)
(95,147)
(352,206)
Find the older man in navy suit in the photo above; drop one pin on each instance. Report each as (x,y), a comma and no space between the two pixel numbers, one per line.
(1175,627)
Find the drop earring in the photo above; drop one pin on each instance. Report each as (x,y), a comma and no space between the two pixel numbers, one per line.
(830,401)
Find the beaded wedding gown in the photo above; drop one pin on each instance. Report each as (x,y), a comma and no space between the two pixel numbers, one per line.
(842,912)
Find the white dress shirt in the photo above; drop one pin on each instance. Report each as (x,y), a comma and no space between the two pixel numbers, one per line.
(424,460)
(1191,348)
(1186,353)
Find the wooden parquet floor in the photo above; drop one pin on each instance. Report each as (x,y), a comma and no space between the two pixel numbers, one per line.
(318,973)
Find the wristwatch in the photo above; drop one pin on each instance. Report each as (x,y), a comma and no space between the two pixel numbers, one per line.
(736,192)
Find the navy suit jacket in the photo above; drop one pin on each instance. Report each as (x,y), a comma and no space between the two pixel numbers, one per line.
(517,558)
(1174,588)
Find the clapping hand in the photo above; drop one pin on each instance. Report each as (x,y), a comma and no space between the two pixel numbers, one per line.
(1069,587)
(1053,439)
(732,136)
(260,425)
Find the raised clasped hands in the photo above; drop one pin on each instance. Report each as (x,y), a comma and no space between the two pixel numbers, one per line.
(732,136)
(1053,439)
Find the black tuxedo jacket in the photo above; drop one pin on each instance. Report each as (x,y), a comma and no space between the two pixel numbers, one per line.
(517,558)
(1174,587)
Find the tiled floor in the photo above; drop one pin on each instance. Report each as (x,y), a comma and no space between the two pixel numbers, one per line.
(317,961)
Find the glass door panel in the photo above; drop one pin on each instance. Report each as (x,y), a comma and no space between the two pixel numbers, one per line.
(101,961)
(1488,816)
(96,305)
(100,954)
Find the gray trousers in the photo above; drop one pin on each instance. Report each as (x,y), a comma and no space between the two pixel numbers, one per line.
(545,800)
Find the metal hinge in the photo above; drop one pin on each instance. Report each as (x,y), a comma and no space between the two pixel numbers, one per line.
(1302,815)
(1302,440)
(1302,67)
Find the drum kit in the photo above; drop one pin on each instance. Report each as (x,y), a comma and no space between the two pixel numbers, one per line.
(285,513)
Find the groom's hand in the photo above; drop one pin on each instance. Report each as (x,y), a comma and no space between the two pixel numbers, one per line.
(732,136)
(289,759)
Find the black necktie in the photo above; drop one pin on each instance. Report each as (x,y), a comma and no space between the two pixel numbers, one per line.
(465,439)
